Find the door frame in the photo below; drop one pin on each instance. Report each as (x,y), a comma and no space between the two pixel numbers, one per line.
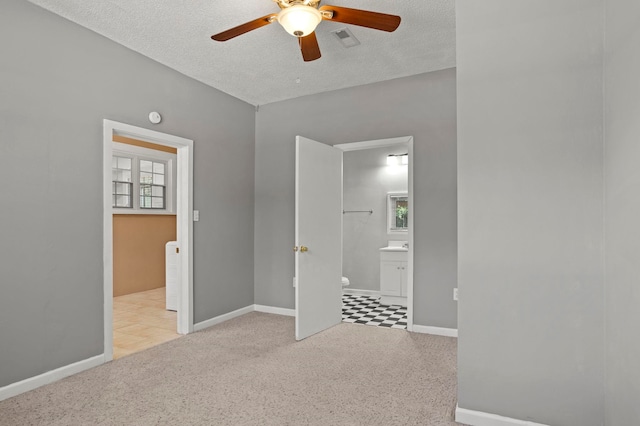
(184,213)
(408,142)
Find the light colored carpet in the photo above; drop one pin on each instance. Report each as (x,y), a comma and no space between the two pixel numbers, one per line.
(251,371)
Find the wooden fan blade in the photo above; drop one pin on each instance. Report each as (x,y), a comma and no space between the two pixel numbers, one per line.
(363,18)
(244,28)
(309,47)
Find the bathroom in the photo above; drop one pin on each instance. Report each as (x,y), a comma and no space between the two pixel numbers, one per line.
(375,236)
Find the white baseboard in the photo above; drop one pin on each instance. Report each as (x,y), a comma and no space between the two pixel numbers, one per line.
(275,310)
(222,318)
(251,308)
(359,292)
(438,331)
(479,418)
(49,377)
(68,370)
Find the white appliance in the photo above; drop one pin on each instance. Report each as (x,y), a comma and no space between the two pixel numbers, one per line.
(171,275)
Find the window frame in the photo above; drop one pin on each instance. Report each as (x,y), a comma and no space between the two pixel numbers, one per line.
(391,213)
(137,154)
(115,183)
(151,185)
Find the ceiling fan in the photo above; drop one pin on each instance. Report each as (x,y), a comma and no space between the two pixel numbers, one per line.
(301,17)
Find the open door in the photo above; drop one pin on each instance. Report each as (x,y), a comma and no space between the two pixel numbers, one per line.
(318,237)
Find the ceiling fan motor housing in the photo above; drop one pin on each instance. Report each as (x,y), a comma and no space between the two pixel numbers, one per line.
(288,3)
(299,20)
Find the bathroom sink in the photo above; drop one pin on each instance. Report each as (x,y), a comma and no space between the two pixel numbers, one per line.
(394,249)
(396,246)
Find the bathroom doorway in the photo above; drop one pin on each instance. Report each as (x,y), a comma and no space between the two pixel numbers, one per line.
(377,233)
(318,255)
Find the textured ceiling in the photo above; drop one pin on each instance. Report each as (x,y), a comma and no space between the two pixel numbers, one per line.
(265,65)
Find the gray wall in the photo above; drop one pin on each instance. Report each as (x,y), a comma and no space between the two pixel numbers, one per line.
(422,106)
(622,180)
(367,180)
(58,81)
(530,216)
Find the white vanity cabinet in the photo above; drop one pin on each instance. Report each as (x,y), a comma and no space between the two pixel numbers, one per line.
(393,277)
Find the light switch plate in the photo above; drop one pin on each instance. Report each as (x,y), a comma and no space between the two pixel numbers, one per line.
(196,215)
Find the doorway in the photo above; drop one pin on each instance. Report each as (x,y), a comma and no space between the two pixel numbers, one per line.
(395,264)
(318,232)
(375,236)
(184,226)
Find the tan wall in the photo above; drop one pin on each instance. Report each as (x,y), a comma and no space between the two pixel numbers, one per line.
(139,251)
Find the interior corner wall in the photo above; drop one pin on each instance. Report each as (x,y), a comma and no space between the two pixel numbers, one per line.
(530,205)
(622,230)
(422,106)
(58,81)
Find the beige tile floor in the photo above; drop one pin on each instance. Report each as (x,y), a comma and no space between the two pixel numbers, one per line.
(141,321)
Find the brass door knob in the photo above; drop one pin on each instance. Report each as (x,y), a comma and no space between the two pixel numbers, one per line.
(303,249)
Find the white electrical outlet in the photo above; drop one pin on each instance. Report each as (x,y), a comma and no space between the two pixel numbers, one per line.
(196,215)
(455,293)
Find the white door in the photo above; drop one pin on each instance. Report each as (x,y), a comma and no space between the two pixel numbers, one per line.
(318,237)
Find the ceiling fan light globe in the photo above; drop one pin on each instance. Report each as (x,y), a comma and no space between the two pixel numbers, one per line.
(299,20)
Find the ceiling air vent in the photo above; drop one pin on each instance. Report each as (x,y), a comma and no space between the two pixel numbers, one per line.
(345,37)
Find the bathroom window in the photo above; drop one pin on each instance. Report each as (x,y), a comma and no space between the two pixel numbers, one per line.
(397,212)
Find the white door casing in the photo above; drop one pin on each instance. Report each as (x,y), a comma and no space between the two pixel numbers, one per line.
(408,142)
(318,237)
(184,214)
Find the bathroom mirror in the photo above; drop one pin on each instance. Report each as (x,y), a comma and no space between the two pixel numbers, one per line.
(397,212)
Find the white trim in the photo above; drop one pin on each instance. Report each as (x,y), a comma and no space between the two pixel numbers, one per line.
(379,143)
(127,211)
(184,212)
(358,292)
(275,310)
(31,383)
(479,418)
(296,257)
(408,141)
(242,311)
(410,234)
(222,318)
(49,377)
(107,240)
(438,331)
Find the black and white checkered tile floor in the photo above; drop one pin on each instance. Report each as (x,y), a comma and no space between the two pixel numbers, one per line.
(368,310)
